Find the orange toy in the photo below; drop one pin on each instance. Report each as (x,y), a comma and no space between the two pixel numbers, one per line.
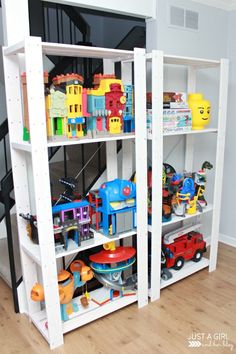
(67,283)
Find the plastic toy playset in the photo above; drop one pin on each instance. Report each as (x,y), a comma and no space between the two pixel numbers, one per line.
(182,193)
(110,210)
(73,111)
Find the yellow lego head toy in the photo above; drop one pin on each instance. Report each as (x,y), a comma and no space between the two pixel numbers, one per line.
(200,110)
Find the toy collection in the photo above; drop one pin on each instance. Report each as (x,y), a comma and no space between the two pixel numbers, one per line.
(182,193)
(108,265)
(68,282)
(180,114)
(182,245)
(73,111)
(201,109)
(111,209)
(114,206)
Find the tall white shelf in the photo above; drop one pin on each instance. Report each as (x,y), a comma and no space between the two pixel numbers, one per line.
(29,53)
(157,228)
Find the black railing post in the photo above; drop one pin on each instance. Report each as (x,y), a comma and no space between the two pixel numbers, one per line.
(83,171)
(36,15)
(65,161)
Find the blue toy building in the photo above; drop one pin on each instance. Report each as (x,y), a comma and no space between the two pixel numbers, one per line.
(118,206)
(128,114)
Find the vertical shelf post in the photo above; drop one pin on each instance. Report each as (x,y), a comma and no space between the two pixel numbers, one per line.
(38,137)
(219,168)
(189,139)
(141,173)
(19,170)
(111,146)
(157,168)
(127,146)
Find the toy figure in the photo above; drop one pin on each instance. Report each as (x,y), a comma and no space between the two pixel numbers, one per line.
(200,182)
(67,284)
(200,110)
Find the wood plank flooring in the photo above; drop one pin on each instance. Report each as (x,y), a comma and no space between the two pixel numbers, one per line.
(203,304)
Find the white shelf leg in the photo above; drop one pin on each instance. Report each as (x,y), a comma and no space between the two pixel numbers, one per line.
(127,146)
(189,139)
(36,107)
(111,153)
(219,168)
(141,173)
(20,174)
(157,167)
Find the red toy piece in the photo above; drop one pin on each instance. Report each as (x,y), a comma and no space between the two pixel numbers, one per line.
(119,254)
(182,245)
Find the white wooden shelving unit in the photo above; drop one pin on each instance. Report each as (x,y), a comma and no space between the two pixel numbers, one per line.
(157,228)
(42,258)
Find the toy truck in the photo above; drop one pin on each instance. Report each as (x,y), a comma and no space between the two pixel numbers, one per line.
(182,245)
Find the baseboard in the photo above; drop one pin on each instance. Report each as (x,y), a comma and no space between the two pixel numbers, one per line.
(228,240)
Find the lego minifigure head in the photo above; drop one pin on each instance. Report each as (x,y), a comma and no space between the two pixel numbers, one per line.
(200,110)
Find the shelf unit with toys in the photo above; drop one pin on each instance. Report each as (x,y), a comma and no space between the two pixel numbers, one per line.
(31,176)
(158,228)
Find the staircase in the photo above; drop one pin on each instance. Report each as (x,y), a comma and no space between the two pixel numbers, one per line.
(62,24)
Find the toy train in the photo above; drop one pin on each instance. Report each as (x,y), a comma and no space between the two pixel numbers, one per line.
(110,209)
(73,111)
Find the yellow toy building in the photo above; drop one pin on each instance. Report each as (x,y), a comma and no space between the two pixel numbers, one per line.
(200,110)
(102,84)
(73,88)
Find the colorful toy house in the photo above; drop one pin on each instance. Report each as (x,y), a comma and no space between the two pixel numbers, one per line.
(56,116)
(72,220)
(128,112)
(117,207)
(75,96)
(106,102)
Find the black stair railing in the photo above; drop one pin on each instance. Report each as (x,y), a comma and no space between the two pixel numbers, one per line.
(6,185)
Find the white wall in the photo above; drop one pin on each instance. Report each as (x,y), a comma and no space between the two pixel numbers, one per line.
(229,190)
(210,41)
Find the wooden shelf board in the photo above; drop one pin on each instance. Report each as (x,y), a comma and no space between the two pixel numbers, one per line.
(189,268)
(204,131)
(24,146)
(88,314)
(99,239)
(191,61)
(70,50)
(33,250)
(91,140)
(176,219)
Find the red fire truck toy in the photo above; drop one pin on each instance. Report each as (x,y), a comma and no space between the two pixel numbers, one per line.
(182,245)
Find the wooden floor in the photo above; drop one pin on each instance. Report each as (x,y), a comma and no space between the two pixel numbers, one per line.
(203,304)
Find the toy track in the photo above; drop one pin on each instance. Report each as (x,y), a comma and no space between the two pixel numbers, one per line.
(129,284)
